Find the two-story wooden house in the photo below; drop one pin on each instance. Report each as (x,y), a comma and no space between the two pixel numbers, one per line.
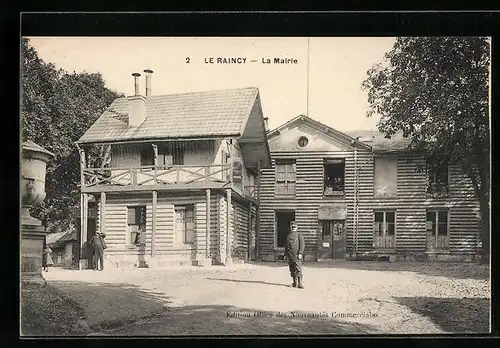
(180,183)
(362,195)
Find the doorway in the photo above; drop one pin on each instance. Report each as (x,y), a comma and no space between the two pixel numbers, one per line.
(91,231)
(332,240)
(283,220)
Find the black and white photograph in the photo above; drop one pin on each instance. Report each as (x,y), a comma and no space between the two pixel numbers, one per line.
(213,186)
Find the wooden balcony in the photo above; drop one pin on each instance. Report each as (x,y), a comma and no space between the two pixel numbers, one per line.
(250,191)
(160,177)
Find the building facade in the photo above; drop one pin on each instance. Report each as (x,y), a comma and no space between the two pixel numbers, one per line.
(363,196)
(180,181)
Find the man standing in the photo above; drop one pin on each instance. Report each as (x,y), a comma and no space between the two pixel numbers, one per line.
(294,253)
(98,245)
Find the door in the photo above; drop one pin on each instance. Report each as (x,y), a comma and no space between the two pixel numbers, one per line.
(338,234)
(283,220)
(91,230)
(332,240)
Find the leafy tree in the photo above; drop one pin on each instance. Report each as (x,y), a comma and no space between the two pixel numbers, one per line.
(57,108)
(435,91)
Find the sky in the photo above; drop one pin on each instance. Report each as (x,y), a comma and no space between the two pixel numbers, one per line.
(324,83)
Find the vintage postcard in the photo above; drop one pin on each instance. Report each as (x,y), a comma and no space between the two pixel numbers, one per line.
(255,186)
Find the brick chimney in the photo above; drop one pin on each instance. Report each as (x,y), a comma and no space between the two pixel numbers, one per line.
(137,105)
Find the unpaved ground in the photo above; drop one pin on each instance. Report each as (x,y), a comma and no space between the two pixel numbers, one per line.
(256,299)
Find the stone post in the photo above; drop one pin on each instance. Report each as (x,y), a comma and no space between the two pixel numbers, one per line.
(33,170)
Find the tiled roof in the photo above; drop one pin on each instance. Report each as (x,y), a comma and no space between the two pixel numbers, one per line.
(213,113)
(31,146)
(378,142)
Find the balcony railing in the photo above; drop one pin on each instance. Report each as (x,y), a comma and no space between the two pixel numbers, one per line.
(159,175)
(439,243)
(250,191)
(384,242)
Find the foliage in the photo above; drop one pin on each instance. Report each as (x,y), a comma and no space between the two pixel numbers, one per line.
(435,91)
(57,108)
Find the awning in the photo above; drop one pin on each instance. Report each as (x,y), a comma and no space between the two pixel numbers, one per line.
(336,211)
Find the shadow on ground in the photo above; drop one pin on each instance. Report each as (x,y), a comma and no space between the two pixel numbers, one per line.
(452,315)
(128,310)
(249,281)
(110,305)
(463,270)
(46,311)
(220,320)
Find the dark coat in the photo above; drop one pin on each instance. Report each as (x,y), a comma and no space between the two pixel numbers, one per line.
(97,242)
(295,244)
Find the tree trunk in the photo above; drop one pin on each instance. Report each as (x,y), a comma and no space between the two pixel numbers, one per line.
(485,228)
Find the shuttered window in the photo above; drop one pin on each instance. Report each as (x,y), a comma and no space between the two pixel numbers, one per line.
(136,224)
(386,176)
(384,229)
(286,177)
(437,171)
(184,224)
(437,230)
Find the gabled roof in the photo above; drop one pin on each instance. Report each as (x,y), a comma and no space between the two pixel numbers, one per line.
(302,119)
(379,143)
(58,238)
(187,115)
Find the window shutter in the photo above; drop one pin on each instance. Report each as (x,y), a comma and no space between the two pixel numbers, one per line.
(142,211)
(131,217)
(190,225)
(291,172)
(237,169)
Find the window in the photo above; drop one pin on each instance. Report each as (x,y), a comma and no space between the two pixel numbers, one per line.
(136,224)
(285,171)
(385,182)
(303,141)
(437,230)
(184,224)
(437,170)
(334,177)
(147,156)
(384,229)
(168,154)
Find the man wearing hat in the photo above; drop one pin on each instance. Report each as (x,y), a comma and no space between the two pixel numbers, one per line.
(294,253)
(98,245)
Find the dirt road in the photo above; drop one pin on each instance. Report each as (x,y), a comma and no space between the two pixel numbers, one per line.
(256,299)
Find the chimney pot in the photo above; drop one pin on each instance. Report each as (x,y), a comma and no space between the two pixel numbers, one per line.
(136,82)
(148,81)
(137,105)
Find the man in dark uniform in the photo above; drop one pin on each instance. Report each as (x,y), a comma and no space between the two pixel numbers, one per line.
(294,253)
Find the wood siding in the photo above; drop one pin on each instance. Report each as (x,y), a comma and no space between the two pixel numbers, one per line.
(410,204)
(308,197)
(240,226)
